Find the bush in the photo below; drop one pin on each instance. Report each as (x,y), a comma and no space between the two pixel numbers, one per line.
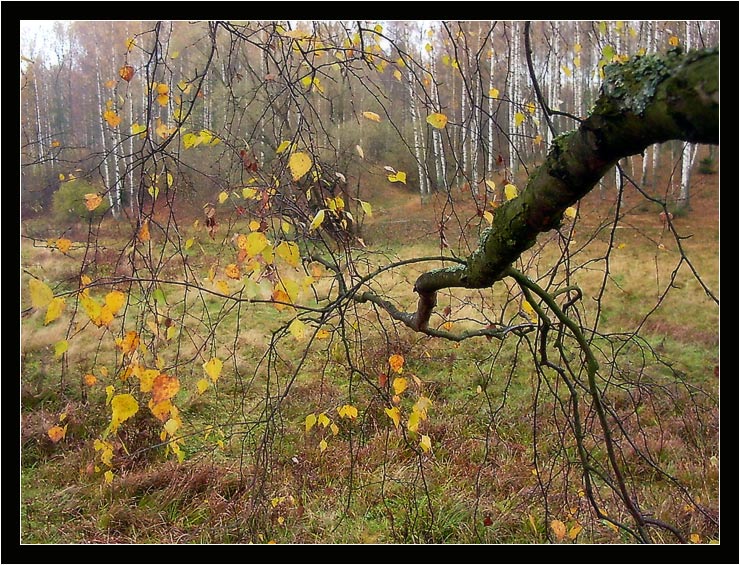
(706,166)
(68,202)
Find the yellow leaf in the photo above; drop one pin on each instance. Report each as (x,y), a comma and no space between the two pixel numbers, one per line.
(289,252)
(299,164)
(693,538)
(324,420)
(41,294)
(232,271)
(399,385)
(137,129)
(112,118)
(144,234)
(488,217)
(558,528)
(222,286)
(108,476)
(222,197)
(574,531)
(317,220)
(323,445)
(348,411)
(529,311)
(413,423)
(171,426)
(213,368)
(256,243)
(334,428)
(57,433)
(282,147)
(396,362)
(55,309)
(115,300)
(437,120)
(394,414)
(372,116)
(61,176)
(124,406)
(510,191)
(397,74)
(310,422)
(63,245)
(297,329)
(400,176)
(570,212)
(493,93)
(60,347)
(673,41)
(92,201)
(360,152)
(421,406)
(519,119)
(425,443)
(322,334)
(531,108)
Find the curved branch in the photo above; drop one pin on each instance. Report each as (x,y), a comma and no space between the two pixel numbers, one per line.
(649,100)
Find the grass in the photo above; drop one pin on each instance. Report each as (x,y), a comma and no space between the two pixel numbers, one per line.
(252,472)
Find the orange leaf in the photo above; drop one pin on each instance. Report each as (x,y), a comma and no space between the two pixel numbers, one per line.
(144,232)
(164,388)
(57,433)
(232,271)
(396,362)
(92,201)
(126,72)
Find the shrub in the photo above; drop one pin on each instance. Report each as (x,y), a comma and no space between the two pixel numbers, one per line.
(706,166)
(68,202)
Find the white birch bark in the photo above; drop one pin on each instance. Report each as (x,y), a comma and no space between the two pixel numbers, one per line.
(513,95)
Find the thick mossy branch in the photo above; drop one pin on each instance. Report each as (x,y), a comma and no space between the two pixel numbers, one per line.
(648,100)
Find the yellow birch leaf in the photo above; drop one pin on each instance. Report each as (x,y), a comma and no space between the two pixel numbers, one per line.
(223,196)
(256,243)
(558,528)
(124,406)
(397,74)
(297,329)
(137,129)
(493,93)
(282,147)
(61,176)
(396,362)
(222,286)
(129,342)
(323,420)
(673,41)
(488,217)
(63,244)
(299,164)
(519,119)
(92,201)
(108,476)
(372,116)
(334,428)
(112,118)
(421,406)
(394,414)
(310,422)
(317,220)
(400,176)
(146,379)
(322,334)
(570,212)
(202,385)
(538,139)
(577,62)
(232,271)
(367,208)
(55,309)
(115,300)
(323,445)
(213,368)
(425,443)
(437,120)
(574,531)
(280,298)
(41,294)
(91,306)
(360,152)
(144,234)
(348,411)
(413,423)
(289,252)
(693,538)
(189,243)
(511,192)
(531,108)
(171,426)
(399,385)
(529,312)
(90,379)
(566,70)
(57,433)
(60,347)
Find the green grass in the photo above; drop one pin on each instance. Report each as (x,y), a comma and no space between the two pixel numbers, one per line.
(253,473)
